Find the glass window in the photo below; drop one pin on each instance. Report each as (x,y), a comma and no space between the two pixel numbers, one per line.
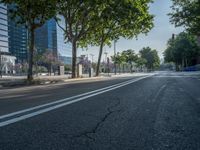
(3,33)
(3,11)
(3,16)
(4,27)
(4,38)
(4,44)
(4,49)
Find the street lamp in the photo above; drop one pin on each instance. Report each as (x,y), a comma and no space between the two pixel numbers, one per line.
(173,36)
(106,63)
(115,57)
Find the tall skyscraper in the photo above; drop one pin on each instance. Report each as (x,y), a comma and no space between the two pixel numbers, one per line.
(51,37)
(18,42)
(3,28)
(7,61)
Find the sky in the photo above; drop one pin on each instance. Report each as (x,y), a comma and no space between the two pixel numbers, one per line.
(156,39)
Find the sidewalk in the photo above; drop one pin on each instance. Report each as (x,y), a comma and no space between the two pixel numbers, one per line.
(17,81)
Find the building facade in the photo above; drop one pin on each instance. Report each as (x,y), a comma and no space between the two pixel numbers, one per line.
(50,37)
(3,28)
(7,61)
(18,41)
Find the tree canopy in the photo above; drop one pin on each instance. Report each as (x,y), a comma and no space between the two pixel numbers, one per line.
(118,18)
(32,14)
(186,13)
(151,57)
(78,16)
(147,57)
(183,50)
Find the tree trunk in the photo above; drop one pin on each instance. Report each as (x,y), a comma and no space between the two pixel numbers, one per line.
(74,53)
(186,62)
(183,64)
(131,68)
(99,59)
(31,49)
(119,68)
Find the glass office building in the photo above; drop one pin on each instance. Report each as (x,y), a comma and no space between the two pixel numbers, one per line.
(18,42)
(6,59)
(3,28)
(51,37)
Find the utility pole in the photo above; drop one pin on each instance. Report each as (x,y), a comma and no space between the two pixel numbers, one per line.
(115,66)
(105,60)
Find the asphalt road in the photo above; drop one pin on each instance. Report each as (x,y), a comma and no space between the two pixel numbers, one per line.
(152,113)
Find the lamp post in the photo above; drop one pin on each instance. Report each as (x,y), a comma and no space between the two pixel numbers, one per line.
(106,54)
(115,66)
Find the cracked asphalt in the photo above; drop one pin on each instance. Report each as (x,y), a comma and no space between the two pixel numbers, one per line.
(157,113)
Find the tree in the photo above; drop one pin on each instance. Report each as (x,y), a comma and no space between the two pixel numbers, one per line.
(140,62)
(77,15)
(130,57)
(151,57)
(118,59)
(183,50)
(33,14)
(50,61)
(186,13)
(118,18)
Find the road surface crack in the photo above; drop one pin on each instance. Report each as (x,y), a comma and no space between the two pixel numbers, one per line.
(110,111)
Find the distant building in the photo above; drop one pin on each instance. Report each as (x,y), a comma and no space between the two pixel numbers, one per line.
(51,37)
(3,29)
(7,61)
(18,41)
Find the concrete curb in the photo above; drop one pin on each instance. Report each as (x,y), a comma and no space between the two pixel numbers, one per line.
(40,81)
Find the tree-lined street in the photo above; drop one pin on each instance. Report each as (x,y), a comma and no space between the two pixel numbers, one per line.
(99,75)
(157,112)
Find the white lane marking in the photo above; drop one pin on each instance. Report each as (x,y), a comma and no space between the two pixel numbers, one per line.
(166,76)
(158,93)
(58,101)
(23,117)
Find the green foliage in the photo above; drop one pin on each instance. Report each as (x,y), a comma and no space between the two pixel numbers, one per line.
(32,14)
(78,16)
(151,57)
(117,18)
(68,67)
(129,56)
(186,13)
(118,58)
(140,62)
(183,50)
